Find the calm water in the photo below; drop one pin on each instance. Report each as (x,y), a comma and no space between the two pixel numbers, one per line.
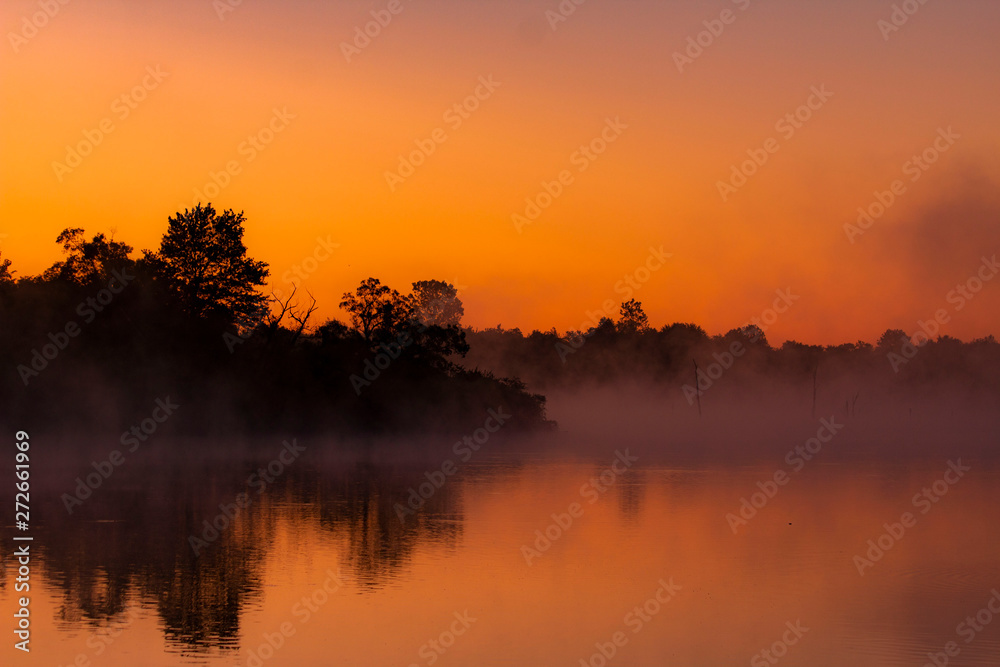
(321,563)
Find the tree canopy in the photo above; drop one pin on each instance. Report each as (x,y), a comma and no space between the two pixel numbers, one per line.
(6,275)
(88,262)
(633,317)
(436,303)
(203,260)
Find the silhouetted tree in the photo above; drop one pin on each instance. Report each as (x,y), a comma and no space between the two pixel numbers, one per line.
(397,315)
(290,307)
(754,335)
(88,262)
(633,319)
(6,275)
(365,306)
(891,339)
(204,261)
(436,303)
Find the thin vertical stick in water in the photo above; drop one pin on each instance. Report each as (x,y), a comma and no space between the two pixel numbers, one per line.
(697,388)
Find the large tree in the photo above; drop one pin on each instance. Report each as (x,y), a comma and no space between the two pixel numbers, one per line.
(203,259)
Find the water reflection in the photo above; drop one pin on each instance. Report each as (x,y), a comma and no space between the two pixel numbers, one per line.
(133,537)
(127,554)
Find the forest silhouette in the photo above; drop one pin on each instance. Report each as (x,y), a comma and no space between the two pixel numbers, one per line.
(99,336)
(96,338)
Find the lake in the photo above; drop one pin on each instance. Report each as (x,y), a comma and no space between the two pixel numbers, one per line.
(525,554)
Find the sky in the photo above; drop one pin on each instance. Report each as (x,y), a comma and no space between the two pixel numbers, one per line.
(629,124)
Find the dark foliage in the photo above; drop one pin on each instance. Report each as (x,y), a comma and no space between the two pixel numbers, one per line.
(99,336)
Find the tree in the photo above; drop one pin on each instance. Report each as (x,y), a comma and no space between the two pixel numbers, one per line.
(397,315)
(281,307)
(633,319)
(376,311)
(364,305)
(6,275)
(204,261)
(436,303)
(891,339)
(754,335)
(88,262)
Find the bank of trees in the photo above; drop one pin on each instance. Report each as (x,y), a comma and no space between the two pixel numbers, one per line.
(105,331)
(629,349)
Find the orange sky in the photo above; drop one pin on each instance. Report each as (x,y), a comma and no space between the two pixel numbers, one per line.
(323,175)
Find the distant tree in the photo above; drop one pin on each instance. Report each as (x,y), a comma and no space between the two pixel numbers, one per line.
(754,335)
(88,262)
(633,319)
(436,303)
(203,259)
(605,328)
(891,339)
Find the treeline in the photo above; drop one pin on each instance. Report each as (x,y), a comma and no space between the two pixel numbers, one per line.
(100,336)
(685,356)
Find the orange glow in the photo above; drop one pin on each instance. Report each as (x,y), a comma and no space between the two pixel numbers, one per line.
(324,174)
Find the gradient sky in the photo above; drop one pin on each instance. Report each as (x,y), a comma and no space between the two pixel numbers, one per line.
(656,185)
